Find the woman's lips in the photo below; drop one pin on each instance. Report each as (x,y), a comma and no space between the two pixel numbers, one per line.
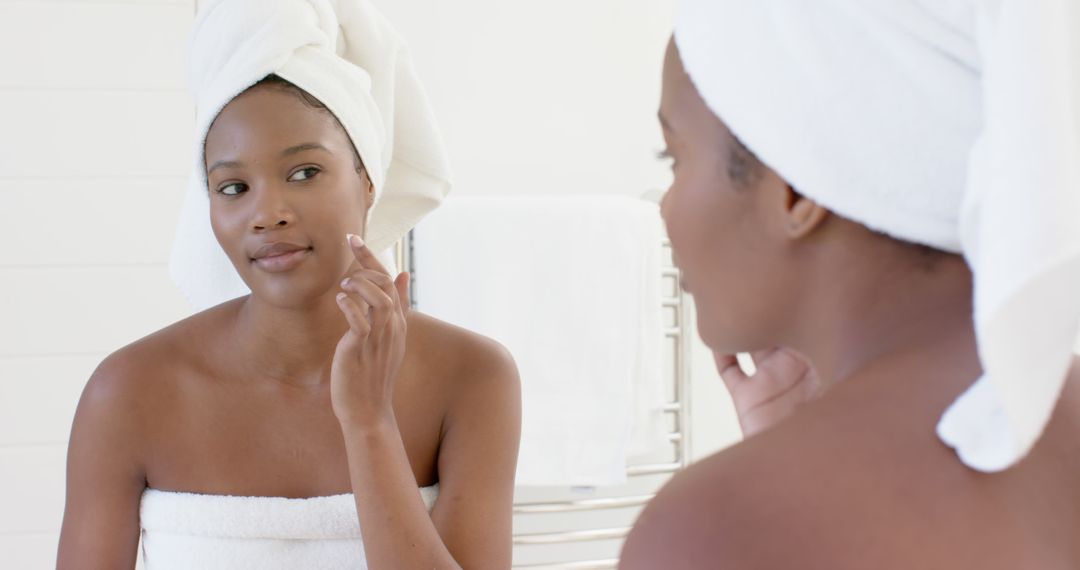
(282,262)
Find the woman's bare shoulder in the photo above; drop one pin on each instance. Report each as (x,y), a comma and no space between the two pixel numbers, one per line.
(737,508)
(761,504)
(821,491)
(459,354)
(464,372)
(138,373)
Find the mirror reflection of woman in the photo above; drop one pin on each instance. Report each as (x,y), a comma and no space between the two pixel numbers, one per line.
(320,391)
(889,190)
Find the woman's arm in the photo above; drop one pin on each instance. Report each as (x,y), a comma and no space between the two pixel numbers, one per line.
(478,460)
(470,525)
(104,477)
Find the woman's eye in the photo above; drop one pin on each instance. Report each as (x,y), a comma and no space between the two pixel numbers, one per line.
(233,189)
(305,173)
(665,156)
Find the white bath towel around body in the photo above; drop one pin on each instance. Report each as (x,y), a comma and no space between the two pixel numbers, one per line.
(217,532)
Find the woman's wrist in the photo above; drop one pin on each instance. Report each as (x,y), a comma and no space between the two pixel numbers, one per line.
(373,424)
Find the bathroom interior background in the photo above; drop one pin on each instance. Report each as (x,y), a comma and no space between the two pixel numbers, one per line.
(555,97)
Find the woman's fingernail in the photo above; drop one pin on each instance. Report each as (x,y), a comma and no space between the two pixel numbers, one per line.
(341,297)
(344,283)
(355,240)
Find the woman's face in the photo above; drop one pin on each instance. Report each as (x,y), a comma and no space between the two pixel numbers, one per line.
(283,177)
(723,232)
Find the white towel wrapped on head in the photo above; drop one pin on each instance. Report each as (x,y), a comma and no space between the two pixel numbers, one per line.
(346,55)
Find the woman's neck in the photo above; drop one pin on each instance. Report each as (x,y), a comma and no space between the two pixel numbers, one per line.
(866,309)
(293,346)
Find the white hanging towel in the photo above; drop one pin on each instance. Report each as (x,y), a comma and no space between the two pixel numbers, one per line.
(571,286)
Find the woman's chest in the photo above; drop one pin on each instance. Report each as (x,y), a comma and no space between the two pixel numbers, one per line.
(235,438)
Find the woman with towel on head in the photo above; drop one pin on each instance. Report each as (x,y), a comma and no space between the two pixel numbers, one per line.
(275,429)
(892,189)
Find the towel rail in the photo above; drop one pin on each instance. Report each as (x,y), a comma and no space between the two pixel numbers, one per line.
(583,565)
(672,408)
(571,536)
(678,407)
(582,504)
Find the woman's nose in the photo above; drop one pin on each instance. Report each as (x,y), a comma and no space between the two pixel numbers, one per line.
(271,210)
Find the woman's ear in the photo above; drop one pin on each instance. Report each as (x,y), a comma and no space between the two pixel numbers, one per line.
(803,215)
(369,194)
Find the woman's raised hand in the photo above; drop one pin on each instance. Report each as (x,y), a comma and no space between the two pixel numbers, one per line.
(783,381)
(369,355)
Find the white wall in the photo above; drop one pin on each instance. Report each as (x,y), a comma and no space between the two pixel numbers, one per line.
(94,126)
(543,97)
(552,97)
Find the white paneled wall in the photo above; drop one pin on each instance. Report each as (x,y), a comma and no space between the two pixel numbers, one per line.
(94,148)
(552,97)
